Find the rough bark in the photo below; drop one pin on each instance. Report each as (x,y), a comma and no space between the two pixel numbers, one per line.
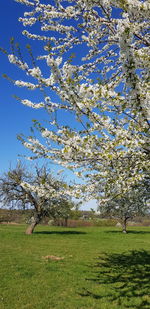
(34,221)
(31,228)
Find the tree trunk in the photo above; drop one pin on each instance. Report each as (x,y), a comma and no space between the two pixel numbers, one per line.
(66,222)
(31,228)
(34,221)
(124,225)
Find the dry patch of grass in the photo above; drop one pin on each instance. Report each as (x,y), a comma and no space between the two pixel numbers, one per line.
(52,257)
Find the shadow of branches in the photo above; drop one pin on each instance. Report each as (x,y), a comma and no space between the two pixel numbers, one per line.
(125,277)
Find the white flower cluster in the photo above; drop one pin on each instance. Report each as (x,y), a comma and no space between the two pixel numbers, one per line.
(31,104)
(35,72)
(13,59)
(28,85)
(26,2)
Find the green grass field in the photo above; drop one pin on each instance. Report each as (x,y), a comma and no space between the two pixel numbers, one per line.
(102,268)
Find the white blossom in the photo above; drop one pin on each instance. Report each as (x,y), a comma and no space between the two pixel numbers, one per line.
(35,72)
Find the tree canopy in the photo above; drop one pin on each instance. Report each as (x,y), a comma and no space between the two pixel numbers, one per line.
(39,190)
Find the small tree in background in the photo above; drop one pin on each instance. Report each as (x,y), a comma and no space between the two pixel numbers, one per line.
(125,207)
(40,191)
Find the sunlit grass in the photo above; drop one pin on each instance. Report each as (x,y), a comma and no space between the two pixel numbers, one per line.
(102,268)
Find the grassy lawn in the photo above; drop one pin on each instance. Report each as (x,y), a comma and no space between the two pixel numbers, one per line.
(102,268)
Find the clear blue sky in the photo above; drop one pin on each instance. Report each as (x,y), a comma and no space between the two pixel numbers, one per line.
(14,117)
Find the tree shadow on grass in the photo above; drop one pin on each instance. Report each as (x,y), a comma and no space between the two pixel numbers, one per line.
(60,232)
(125,278)
(128,232)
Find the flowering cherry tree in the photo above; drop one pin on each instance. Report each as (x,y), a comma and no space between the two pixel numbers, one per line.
(44,194)
(135,202)
(97,63)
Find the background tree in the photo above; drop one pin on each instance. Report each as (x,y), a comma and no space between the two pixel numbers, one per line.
(135,202)
(40,191)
